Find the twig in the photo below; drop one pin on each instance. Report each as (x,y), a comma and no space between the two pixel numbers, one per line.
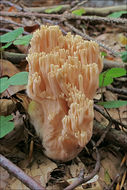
(97,108)
(90,38)
(104,10)
(116,137)
(10,22)
(81,179)
(110,64)
(104,134)
(42,9)
(29,14)
(5,30)
(18,173)
(117,90)
(11,4)
(89,10)
(97,18)
(78,5)
(65,16)
(104,19)
(13,57)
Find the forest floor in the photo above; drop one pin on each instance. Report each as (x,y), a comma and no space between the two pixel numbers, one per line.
(102,165)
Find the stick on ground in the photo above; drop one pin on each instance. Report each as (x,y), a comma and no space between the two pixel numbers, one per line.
(18,173)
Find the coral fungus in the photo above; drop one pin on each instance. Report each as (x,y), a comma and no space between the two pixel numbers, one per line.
(63,78)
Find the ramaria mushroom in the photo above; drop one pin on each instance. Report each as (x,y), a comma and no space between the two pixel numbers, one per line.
(63,78)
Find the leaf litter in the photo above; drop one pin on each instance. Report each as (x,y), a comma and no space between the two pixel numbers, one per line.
(47,172)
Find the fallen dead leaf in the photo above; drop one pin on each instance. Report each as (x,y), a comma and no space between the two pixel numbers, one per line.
(4,176)
(39,172)
(100,118)
(94,185)
(76,167)
(109,96)
(10,152)
(110,39)
(25,100)
(119,114)
(32,28)
(22,48)
(7,106)
(110,166)
(17,134)
(9,69)
(40,2)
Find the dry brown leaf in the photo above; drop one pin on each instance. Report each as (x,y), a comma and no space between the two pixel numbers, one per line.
(76,167)
(100,118)
(40,2)
(40,173)
(25,100)
(4,176)
(70,181)
(17,134)
(110,164)
(32,28)
(9,69)
(54,187)
(110,39)
(119,114)
(10,152)
(109,96)
(13,90)
(7,106)
(22,48)
(94,185)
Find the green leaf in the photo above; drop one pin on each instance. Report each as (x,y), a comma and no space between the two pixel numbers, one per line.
(11,36)
(3,84)
(24,40)
(107,178)
(106,77)
(116,72)
(117,14)
(19,79)
(54,10)
(78,12)
(124,56)
(113,104)
(6,126)
(103,54)
(6,46)
(103,80)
